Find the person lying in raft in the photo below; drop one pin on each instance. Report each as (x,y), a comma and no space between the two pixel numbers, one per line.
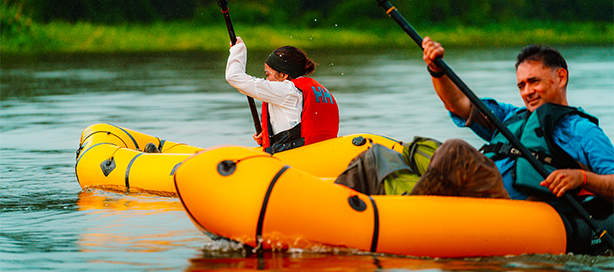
(580,154)
(296,110)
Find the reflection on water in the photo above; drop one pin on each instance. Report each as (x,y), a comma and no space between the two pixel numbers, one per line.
(48,223)
(98,200)
(130,224)
(299,261)
(305,261)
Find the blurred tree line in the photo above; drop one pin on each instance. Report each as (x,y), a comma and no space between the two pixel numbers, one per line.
(315,13)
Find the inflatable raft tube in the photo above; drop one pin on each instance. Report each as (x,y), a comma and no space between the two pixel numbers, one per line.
(111,157)
(261,201)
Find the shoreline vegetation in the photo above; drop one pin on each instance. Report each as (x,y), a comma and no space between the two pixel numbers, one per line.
(39,27)
(58,37)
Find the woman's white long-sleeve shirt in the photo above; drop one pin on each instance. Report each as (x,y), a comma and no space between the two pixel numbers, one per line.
(284,99)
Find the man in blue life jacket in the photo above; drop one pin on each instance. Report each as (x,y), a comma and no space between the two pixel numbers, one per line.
(566,140)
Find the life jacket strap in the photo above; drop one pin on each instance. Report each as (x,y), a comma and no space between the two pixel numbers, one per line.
(507,150)
(286,140)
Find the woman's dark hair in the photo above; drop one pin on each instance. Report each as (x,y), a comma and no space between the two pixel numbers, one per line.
(548,56)
(294,62)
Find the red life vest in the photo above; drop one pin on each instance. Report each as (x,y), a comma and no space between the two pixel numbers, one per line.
(319,118)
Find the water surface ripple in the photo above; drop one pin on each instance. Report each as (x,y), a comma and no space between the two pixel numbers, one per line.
(47,222)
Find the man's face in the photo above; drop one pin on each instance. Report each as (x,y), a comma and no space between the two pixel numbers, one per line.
(540,85)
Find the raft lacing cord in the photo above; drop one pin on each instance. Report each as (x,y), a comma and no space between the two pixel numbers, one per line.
(113,154)
(255,156)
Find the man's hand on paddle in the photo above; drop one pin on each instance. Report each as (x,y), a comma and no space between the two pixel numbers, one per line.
(451,96)
(563,180)
(432,50)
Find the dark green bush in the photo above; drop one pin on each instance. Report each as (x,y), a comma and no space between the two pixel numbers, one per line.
(13,22)
(318,13)
(108,11)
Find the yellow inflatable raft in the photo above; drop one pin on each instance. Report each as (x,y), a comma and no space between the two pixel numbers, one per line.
(289,200)
(111,157)
(266,202)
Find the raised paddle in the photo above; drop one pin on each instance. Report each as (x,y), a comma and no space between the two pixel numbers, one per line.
(441,64)
(233,39)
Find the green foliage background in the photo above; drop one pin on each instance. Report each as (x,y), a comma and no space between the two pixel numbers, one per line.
(38,26)
(302,12)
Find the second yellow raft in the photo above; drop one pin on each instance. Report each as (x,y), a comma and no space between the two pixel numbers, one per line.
(112,157)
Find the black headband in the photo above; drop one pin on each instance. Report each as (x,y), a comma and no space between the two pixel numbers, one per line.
(280,65)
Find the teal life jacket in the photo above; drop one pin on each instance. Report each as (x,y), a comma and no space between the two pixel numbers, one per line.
(535,132)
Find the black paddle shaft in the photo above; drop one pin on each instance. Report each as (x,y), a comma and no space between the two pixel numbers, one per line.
(441,64)
(233,39)
(224,5)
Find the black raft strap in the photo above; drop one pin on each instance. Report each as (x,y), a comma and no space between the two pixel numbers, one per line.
(501,150)
(136,145)
(265,202)
(127,178)
(498,148)
(375,238)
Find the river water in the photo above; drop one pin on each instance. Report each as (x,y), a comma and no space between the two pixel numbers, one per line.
(47,222)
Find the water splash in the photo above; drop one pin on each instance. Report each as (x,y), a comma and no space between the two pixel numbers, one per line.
(224,245)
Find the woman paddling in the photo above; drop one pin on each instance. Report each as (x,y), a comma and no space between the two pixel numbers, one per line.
(296,110)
